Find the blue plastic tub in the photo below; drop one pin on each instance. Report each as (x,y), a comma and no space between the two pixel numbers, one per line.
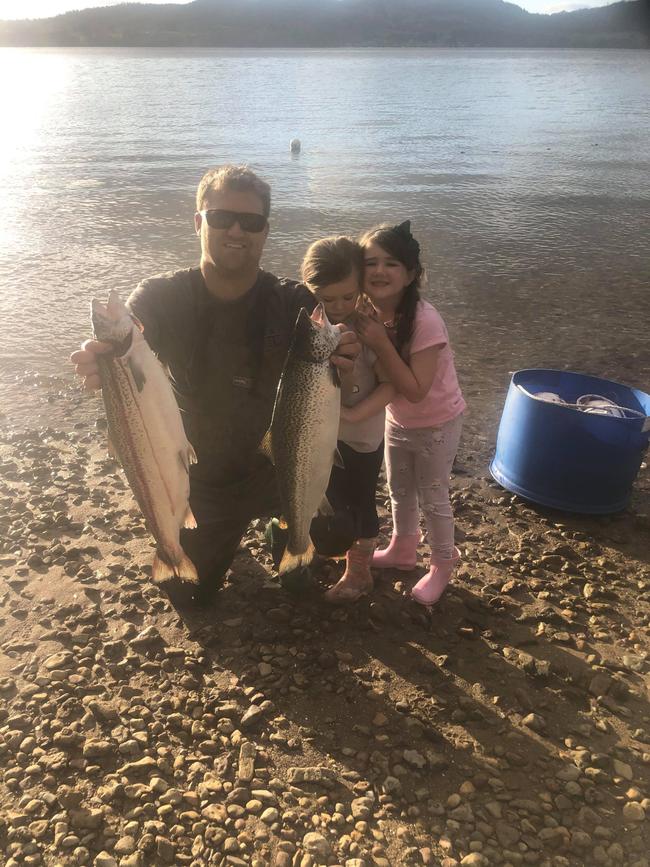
(561,456)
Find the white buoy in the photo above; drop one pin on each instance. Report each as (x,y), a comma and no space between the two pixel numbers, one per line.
(294,145)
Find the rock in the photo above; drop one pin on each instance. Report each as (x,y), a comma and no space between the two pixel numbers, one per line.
(622,769)
(317,845)
(535,722)
(125,846)
(252,716)
(600,684)
(311,775)
(63,659)
(270,816)
(462,813)
(507,835)
(474,859)
(415,759)
(633,812)
(362,808)
(246,767)
(105,860)
(149,637)
(103,712)
(166,850)
(142,766)
(95,749)
(86,820)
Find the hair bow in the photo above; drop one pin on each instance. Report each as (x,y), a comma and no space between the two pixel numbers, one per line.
(404,230)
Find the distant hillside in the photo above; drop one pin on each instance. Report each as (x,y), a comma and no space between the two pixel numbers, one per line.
(337,23)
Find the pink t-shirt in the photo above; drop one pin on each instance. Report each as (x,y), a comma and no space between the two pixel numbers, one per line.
(444,400)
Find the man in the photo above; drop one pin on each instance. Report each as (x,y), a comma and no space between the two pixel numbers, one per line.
(223,329)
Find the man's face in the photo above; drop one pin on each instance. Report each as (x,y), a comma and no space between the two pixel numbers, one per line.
(234,250)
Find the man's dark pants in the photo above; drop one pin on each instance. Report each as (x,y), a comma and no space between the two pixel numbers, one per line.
(223,521)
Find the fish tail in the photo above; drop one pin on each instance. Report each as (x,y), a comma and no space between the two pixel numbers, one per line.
(183,569)
(291,561)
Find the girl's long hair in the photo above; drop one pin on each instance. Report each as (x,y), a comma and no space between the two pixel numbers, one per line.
(399,243)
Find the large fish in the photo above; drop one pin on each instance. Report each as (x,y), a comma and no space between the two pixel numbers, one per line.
(146,435)
(301,441)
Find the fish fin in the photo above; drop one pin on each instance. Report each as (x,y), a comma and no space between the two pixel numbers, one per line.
(162,570)
(186,570)
(137,373)
(266,445)
(338,460)
(291,561)
(187,456)
(325,507)
(190,520)
(335,376)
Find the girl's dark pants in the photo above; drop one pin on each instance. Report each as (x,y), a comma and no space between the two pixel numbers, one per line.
(353,488)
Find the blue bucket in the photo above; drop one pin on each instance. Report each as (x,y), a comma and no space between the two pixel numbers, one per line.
(558,455)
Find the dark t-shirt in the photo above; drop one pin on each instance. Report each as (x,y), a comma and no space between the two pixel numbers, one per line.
(225,359)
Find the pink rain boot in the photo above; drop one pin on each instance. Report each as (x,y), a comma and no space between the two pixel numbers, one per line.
(356,581)
(401,553)
(432,585)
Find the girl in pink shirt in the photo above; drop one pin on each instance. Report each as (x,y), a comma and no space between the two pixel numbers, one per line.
(423,422)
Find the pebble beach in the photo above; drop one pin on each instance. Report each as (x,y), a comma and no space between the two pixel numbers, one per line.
(509,726)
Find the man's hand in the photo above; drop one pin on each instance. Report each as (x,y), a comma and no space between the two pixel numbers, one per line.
(85,362)
(348,349)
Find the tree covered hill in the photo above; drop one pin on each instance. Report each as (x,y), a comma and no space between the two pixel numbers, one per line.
(336,23)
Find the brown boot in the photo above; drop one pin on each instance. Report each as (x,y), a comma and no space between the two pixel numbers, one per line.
(356,581)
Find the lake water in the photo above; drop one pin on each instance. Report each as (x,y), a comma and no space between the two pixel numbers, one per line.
(526,175)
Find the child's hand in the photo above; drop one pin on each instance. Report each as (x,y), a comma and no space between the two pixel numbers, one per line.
(371,330)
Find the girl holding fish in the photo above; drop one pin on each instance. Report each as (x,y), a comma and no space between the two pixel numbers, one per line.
(424,419)
(332,269)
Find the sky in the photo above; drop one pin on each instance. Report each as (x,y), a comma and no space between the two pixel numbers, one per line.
(46,8)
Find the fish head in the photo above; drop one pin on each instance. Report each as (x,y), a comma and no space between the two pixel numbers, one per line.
(112,322)
(315,338)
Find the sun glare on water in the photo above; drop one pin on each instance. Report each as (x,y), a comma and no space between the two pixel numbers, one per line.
(32,83)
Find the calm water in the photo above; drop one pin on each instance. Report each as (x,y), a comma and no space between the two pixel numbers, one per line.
(526,175)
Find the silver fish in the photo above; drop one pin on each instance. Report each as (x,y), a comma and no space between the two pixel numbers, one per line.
(301,441)
(146,435)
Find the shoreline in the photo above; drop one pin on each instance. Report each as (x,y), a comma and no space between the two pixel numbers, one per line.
(510,726)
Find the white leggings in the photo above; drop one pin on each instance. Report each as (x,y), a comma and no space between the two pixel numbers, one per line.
(418,466)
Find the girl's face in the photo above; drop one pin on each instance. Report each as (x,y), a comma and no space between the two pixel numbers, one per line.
(385,278)
(340,299)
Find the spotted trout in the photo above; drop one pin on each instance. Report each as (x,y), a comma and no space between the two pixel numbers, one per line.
(301,441)
(146,435)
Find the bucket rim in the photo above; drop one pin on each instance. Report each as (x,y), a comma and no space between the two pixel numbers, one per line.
(578,373)
(636,417)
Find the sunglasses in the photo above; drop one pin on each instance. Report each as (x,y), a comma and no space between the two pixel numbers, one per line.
(217,218)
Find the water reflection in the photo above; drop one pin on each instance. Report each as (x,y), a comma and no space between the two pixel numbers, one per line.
(525,175)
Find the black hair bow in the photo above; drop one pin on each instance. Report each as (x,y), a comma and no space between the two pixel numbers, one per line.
(404,231)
